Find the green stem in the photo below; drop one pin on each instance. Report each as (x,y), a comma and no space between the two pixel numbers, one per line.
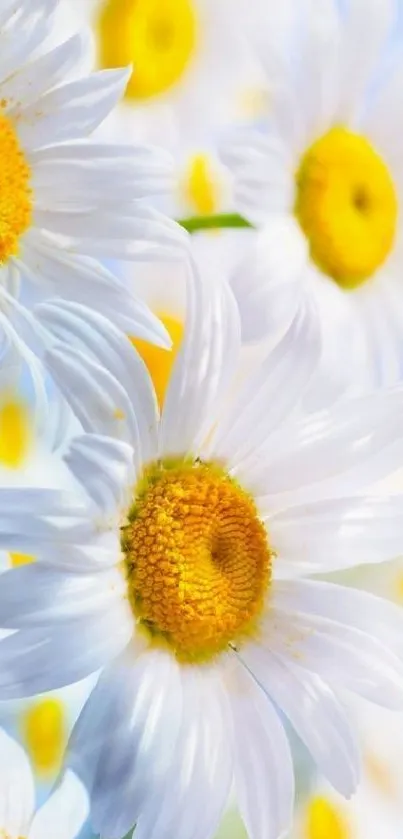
(217,222)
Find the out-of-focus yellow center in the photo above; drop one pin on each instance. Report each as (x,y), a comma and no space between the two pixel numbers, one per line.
(197,557)
(21,559)
(157,36)
(347,206)
(15,431)
(158,361)
(44,732)
(15,191)
(325,821)
(200,187)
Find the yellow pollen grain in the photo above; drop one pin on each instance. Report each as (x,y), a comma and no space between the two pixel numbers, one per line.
(15,191)
(200,187)
(44,732)
(15,432)
(198,559)
(159,362)
(157,36)
(325,821)
(347,206)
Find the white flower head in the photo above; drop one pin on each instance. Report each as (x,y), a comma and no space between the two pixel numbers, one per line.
(66,199)
(61,817)
(176,567)
(322,180)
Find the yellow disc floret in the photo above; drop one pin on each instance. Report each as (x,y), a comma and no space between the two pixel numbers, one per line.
(325,821)
(15,431)
(200,186)
(347,206)
(197,557)
(157,36)
(15,191)
(158,360)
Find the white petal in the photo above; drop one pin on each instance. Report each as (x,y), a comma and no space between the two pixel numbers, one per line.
(315,713)
(191,798)
(64,813)
(343,655)
(104,467)
(73,110)
(270,395)
(32,661)
(80,327)
(267,284)
(99,401)
(20,39)
(37,596)
(17,793)
(264,774)
(342,604)
(327,535)
(126,736)
(34,79)
(204,367)
(332,452)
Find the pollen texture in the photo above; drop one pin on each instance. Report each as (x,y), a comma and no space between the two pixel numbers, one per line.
(15,191)
(197,557)
(346,204)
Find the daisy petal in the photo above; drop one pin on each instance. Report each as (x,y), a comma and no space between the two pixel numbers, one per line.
(203,369)
(328,535)
(272,393)
(79,326)
(314,711)
(264,774)
(64,813)
(104,468)
(72,110)
(17,792)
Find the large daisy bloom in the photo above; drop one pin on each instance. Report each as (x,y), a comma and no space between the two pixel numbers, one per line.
(322,180)
(67,200)
(61,817)
(176,567)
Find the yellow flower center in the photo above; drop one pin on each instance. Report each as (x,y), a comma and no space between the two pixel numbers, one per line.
(15,431)
(347,206)
(158,361)
(15,191)
(157,36)
(324,821)
(197,559)
(44,732)
(200,187)
(18,559)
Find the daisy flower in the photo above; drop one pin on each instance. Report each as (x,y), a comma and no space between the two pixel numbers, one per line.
(176,567)
(61,817)
(67,200)
(322,180)
(192,66)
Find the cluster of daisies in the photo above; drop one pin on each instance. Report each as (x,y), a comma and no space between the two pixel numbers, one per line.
(201,403)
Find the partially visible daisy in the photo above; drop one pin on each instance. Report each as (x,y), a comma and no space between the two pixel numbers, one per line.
(191,62)
(166,569)
(61,817)
(376,809)
(67,201)
(322,179)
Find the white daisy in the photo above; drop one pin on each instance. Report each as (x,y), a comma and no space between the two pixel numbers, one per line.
(61,817)
(166,569)
(192,66)
(322,179)
(66,200)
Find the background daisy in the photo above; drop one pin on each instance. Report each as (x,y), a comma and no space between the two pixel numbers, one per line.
(322,179)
